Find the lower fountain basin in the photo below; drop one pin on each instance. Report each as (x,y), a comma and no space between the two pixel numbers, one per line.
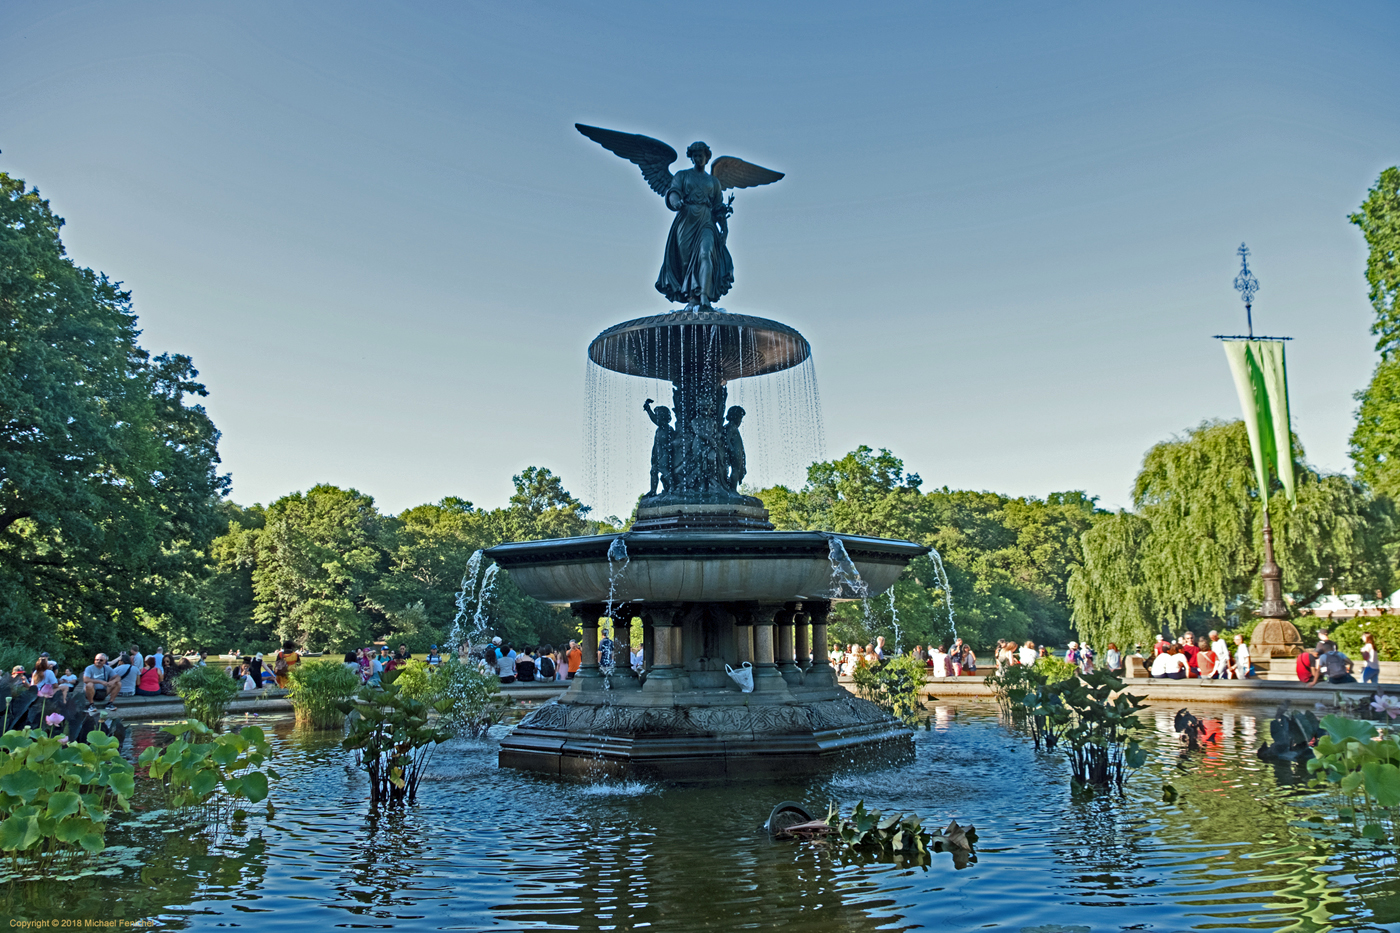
(698,566)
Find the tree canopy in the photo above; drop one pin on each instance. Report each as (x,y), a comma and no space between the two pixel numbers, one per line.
(1006,560)
(1194,542)
(326,569)
(1375,441)
(109,487)
(1379,220)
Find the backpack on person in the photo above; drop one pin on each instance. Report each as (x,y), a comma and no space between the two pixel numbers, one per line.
(280,667)
(545,666)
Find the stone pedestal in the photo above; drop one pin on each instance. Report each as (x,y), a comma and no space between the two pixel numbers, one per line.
(1275,638)
(697,724)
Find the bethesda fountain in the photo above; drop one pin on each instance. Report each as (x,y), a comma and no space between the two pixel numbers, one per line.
(714,586)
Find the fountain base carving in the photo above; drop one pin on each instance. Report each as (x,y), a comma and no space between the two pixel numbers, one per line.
(693,735)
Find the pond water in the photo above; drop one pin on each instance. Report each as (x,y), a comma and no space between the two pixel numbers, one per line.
(1245,846)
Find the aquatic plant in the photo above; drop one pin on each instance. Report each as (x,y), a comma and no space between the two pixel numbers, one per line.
(1363,763)
(316,689)
(1095,717)
(199,763)
(1291,735)
(1010,685)
(56,796)
(1054,669)
(207,692)
(468,701)
(894,686)
(900,837)
(392,739)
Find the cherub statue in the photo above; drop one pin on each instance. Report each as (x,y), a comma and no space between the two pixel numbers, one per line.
(737,465)
(696,267)
(661,447)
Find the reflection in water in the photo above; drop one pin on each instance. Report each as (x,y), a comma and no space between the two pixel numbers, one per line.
(1239,849)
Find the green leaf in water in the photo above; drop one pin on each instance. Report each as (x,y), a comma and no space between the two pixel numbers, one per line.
(1382,783)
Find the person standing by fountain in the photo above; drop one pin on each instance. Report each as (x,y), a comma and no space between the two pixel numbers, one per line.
(573,658)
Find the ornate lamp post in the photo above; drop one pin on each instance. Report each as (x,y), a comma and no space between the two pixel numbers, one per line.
(1261,380)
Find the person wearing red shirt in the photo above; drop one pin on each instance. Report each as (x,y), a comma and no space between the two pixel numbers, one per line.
(1188,650)
(148,681)
(1307,659)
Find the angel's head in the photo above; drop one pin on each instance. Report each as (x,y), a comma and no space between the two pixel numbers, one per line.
(699,153)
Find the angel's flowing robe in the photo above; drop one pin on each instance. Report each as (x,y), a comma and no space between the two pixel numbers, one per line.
(695,234)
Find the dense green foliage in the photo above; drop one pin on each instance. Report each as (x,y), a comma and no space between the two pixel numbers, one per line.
(207,692)
(1375,442)
(1007,560)
(1384,629)
(1194,544)
(315,690)
(327,570)
(56,797)
(894,686)
(468,701)
(1379,220)
(108,481)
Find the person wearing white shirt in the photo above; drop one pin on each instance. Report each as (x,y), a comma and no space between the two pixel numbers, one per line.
(1242,659)
(940,662)
(1170,664)
(1221,650)
(137,659)
(1027,653)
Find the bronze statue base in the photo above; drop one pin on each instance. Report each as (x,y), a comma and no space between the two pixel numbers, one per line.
(741,513)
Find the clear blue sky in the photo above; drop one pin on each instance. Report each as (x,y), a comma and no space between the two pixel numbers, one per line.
(1007,229)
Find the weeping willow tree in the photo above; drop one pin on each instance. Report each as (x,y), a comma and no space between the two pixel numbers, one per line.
(1194,541)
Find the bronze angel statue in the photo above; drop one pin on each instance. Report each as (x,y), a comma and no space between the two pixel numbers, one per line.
(696,268)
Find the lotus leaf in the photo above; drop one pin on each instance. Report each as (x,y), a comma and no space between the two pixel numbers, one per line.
(1382,783)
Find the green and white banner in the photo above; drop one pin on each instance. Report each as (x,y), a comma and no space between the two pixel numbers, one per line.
(1261,378)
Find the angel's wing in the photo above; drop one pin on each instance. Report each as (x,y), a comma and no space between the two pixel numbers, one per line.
(652,155)
(736,173)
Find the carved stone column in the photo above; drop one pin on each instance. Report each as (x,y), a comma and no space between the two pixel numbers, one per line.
(766,676)
(821,673)
(589,614)
(664,673)
(743,638)
(803,651)
(783,622)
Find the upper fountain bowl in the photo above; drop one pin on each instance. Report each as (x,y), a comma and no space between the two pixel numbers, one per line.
(702,566)
(731,346)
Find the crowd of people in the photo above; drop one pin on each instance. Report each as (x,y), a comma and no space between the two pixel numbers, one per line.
(103,683)
(1186,657)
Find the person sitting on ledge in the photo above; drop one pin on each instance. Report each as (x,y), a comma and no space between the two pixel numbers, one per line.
(100,683)
(148,681)
(1170,664)
(1307,660)
(1333,665)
